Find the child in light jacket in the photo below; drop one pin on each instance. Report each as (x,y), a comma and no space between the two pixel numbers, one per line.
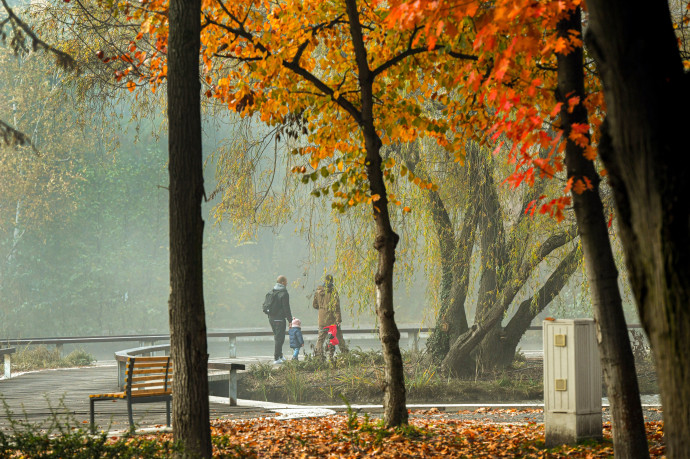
(296,339)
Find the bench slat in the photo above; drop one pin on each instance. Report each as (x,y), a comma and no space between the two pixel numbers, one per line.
(149,365)
(137,379)
(151,371)
(139,360)
(151,384)
(115,395)
(149,392)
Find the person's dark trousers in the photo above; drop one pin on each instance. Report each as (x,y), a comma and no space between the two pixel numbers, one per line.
(278,327)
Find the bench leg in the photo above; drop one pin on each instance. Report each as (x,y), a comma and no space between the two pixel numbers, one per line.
(129,412)
(167,413)
(91,417)
(232,388)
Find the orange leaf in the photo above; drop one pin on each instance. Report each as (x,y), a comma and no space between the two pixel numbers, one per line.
(579,187)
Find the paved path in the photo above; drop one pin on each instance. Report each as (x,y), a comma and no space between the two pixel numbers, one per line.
(39,397)
(34,396)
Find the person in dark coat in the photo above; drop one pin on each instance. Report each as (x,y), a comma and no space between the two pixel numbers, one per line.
(279,315)
(296,339)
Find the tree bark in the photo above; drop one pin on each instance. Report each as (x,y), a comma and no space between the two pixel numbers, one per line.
(531,307)
(465,344)
(455,262)
(617,361)
(394,405)
(186,305)
(646,157)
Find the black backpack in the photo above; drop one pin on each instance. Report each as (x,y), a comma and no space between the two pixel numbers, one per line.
(268,302)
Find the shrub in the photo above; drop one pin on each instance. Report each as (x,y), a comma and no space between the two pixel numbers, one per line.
(61,437)
(41,357)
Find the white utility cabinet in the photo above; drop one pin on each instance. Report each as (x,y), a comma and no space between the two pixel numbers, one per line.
(572,381)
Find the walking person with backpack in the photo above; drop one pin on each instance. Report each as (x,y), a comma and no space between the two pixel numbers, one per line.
(277,307)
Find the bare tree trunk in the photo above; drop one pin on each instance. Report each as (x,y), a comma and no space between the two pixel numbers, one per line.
(617,361)
(645,153)
(394,405)
(186,306)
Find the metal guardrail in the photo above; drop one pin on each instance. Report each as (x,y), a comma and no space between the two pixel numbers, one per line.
(411,331)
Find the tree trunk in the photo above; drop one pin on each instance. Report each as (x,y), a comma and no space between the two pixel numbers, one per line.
(394,405)
(186,306)
(455,255)
(529,308)
(646,156)
(617,361)
(452,319)
(465,345)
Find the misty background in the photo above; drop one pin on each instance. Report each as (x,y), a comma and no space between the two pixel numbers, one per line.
(84,220)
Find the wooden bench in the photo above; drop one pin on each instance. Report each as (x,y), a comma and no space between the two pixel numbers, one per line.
(147,380)
(6,353)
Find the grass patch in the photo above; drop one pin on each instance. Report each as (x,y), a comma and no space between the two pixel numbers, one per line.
(358,376)
(41,357)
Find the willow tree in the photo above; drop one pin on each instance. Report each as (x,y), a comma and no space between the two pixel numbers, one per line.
(509,253)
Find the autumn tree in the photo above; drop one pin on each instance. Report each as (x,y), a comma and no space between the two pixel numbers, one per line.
(614,346)
(289,64)
(643,149)
(521,50)
(188,346)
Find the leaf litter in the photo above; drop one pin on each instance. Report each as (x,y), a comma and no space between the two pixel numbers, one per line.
(429,434)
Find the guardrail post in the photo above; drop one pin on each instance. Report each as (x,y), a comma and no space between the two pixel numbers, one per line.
(413,338)
(232,346)
(58,347)
(8,367)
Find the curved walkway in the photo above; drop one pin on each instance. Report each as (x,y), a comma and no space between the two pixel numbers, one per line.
(63,394)
(39,397)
